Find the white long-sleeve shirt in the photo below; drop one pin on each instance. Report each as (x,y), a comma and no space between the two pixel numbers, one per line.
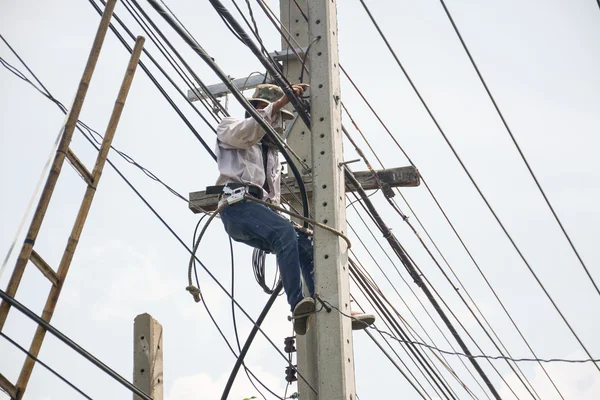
(240,157)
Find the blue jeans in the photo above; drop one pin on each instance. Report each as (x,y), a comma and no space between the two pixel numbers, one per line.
(259,226)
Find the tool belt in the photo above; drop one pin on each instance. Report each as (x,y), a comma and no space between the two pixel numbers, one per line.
(233,192)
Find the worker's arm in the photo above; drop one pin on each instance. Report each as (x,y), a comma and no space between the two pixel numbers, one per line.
(244,133)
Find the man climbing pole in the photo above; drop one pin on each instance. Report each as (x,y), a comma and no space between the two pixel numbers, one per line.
(247,158)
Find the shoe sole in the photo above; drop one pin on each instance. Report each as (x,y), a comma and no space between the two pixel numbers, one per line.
(362,322)
(301,325)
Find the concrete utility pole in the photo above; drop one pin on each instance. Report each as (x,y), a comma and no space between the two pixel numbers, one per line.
(299,140)
(325,355)
(148,356)
(334,355)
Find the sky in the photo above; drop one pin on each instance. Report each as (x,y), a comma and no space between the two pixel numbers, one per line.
(540,61)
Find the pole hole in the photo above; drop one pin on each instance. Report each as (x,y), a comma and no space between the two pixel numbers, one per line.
(322,135)
(326,256)
(325,204)
(324,186)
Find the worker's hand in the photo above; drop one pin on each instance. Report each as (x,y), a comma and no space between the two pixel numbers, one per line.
(299,89)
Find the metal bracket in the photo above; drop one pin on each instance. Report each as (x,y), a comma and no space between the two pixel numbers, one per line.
(220,90)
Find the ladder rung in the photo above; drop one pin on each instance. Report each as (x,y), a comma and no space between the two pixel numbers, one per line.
(76,162)
(44,267)
(8,387)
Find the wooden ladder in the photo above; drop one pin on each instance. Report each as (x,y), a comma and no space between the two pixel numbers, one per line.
(57,278)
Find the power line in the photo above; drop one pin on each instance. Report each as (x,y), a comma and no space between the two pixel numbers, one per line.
(477,187)
(196,47)
(235,330)
(60,336)
(437,379)
(210,274)
(202,97)
(537,183)
(368,165)
(238,95)
(409,287)
(394,363)
(452,227)
(389,198)
(37,360)
(441,358)
(157,84)
(93,133)
(417,278)
(156,214)
(516,360)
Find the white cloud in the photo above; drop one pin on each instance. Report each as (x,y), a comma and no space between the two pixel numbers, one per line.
(203,387)
(119,279)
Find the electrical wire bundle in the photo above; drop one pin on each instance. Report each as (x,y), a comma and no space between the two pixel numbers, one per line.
(258,266)
(431,375)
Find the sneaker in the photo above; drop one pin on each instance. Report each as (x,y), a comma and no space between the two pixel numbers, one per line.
(361,321)
(302,315)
